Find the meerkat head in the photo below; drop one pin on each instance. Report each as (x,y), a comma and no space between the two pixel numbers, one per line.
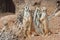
(26,11)
(43,9)
(37,10)
(26,8)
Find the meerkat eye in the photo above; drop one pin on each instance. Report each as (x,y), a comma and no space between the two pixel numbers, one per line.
(26,7)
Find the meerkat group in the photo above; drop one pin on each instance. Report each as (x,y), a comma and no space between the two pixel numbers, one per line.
(39,20)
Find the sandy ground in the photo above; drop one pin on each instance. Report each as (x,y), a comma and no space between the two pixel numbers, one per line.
(54,26)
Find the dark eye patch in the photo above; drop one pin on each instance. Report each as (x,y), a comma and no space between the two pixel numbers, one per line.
(40,15)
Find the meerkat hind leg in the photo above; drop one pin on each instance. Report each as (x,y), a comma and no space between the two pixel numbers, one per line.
(46,29)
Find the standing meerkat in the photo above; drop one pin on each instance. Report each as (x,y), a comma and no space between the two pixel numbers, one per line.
(44,20)
(27,21)
(36,20)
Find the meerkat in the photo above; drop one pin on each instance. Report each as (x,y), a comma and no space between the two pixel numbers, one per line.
(27,21)
(44,20)
(36,20)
